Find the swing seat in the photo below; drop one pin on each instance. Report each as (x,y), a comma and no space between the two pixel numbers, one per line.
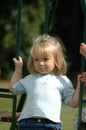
(11,116)
(6,116)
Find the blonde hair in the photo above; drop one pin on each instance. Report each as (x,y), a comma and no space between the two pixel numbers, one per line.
(49,44)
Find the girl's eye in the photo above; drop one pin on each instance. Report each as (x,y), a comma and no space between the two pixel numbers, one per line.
(36,59)
(46,59)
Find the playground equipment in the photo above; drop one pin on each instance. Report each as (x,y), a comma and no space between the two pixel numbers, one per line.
(6,116)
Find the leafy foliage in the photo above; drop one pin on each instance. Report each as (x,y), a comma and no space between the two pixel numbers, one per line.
(32,21)
(67,23)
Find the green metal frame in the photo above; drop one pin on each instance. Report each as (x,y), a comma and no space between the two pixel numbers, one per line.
(81,100)
(50,8)
(18,34)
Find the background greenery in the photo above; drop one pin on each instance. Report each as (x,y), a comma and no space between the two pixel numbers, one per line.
(67,23)
(32,21)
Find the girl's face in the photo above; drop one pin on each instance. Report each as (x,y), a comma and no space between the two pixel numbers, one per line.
(44,63)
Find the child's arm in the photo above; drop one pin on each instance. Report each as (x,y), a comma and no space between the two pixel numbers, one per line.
(74,101)
(17,75)
(83,49)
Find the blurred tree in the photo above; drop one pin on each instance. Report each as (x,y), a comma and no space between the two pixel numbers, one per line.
(31,25)
(67,23)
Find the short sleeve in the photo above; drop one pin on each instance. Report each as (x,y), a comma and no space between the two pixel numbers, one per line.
(68,91)
(18,88)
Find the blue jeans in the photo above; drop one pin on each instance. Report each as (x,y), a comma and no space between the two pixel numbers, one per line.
(38,124)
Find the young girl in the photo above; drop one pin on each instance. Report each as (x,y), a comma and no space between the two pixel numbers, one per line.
(46,86)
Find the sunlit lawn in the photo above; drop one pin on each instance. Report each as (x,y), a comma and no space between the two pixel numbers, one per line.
(67,117)
(67,114)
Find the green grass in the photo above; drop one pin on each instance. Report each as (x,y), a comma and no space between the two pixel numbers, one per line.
(67,117)
(67,113)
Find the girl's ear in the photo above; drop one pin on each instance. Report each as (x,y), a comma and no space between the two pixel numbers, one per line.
(56,65)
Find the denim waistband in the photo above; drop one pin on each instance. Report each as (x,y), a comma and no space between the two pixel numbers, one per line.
(39,120)
(39,123)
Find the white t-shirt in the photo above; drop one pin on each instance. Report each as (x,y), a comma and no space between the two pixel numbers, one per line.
(44,95)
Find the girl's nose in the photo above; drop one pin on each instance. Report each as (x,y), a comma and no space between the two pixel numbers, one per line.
(41,62)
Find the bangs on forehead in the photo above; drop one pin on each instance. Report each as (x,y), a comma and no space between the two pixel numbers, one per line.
(42,49)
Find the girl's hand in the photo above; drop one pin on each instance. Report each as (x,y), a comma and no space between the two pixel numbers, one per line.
(83,49)
(17,75)
(18,63)
(82,77)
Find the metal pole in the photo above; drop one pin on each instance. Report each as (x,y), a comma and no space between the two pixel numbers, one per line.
(83,5)
(47,13)
(50,9)
(18,28)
